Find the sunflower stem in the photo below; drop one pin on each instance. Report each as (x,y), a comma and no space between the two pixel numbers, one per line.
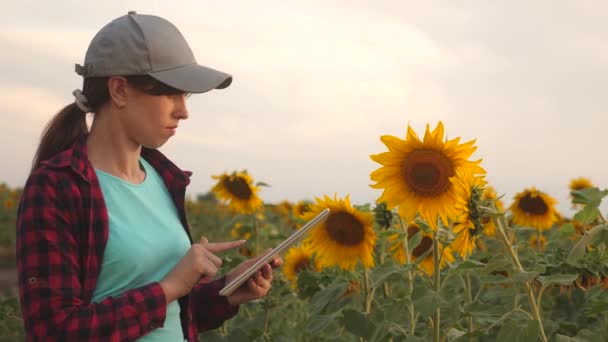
(368,293)
(385,283)
(500,224)
(410,278)
(602,217)
(224,329)
(436,286)
(469,300)
(266,315)
(256,248)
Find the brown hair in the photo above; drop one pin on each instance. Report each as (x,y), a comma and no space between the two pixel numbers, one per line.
(70,122)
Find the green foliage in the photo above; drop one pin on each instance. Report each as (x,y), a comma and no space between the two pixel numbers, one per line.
(567,277)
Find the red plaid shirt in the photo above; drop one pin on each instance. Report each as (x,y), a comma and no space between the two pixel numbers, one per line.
(62,229)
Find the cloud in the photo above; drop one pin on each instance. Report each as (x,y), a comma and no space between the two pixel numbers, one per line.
(316,83)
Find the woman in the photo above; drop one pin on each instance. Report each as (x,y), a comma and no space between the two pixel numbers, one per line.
(103,247)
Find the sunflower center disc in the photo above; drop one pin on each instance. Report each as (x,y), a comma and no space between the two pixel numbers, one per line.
(533,205)
(423,246)
(303,208)
(344,229)
(428,172)
(238,187)
(302,265)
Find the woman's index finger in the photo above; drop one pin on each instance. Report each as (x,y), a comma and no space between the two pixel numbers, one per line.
(217,247)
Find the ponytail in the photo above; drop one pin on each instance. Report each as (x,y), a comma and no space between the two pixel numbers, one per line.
(70,123)
(60,133)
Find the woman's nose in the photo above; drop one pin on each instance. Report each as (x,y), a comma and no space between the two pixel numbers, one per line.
(181,109)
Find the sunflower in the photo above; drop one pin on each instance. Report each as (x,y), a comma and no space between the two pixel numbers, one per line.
(425,246)
(538,241)
(9,204)
(301,208)
(345,237)
(238,190)
(534,208)
(416,173)
(284,208)
(576,184)
(580,184)
(468,224)
(490,194)
(298,259)
(240,232)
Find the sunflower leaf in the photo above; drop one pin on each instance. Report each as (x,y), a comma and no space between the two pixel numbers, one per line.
(589,213)
(558,279)
(566,231)
(414,240)
(519,331)
(322,298)
(317,322)
(588,195)
(584,335)
(593,237)
(468,264)
(358,324)
(523,276)
(381,274)
(262,184)
(427,303)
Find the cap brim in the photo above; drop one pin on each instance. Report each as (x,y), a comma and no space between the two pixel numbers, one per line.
(193,78)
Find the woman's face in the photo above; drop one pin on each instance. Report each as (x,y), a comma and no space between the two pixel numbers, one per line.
(150,120)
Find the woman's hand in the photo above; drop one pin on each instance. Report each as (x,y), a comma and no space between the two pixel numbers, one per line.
(199,261)
(257,286)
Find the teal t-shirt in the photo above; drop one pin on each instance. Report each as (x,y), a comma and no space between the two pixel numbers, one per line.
(146,240)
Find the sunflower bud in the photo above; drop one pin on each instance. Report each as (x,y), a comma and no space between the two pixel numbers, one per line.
(383,217)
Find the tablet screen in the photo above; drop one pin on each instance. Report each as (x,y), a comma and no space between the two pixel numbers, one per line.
(243,277)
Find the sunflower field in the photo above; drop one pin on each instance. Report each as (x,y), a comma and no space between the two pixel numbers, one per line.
(440,256)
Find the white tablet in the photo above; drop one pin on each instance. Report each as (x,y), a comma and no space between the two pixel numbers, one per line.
(238,281)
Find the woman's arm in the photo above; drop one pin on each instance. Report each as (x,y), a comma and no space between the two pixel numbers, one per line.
(210,309)
(49,267)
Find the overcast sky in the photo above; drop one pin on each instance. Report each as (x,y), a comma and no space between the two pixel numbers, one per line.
(316,83)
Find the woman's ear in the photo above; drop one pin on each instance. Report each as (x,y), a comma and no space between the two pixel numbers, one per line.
(119,91)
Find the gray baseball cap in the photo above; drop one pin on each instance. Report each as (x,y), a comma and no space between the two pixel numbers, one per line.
(137,44)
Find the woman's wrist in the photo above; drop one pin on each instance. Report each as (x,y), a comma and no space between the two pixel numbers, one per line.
(169,290)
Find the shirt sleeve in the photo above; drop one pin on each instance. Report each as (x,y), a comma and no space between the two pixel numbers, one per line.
(50,276)
(210,310)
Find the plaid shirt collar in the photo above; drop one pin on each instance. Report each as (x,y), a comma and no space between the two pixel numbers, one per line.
(76,157)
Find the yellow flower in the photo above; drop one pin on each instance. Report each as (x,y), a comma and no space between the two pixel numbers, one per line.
(416,173)
(490,194)
(425,245)
(535,209)
(9,204)
(245,251)
(238,190)
(298,259)
(284,208)
(580,184)
(301,209)
(237,232)
(345,237)
(538,241)
(468,224)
